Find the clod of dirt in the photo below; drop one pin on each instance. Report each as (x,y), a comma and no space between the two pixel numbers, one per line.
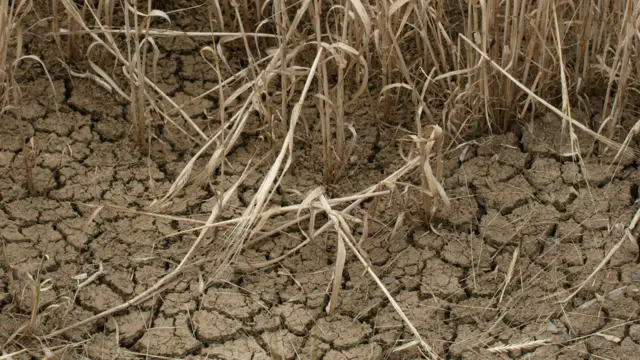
(120,280)
(361,297)
(363,352)
(615,327)
(626,254)
(110,129)
(130,326)
(474,310)
(603,345)
(103,346)
(634,332)
(543,171)
(314,286)
(471,343)
(76,314)
(629,274)
(428,317)
(94,100)
(583,322)
(467,250)
(39,209)
(463,209)
(296,317)
(194,67)
(146,275)
(231,302)
(168,337)
(621,306)
(598,174)
(282,344)
(591,208)
(569,231)
(557,194)
(572,175)
(361,303)
(522,309)
(341,331)
(504,148)
(496,228)
(597,243)
(570,254)
(212,326)
(534,219)
(42,177)
(314,349)
(441,280)
(41,93)
(59,253)
(503,334)
(264,322)
(480,171)
(244,348)
(544,353)
(82,135)
(93,184)
(177,302)
(16,253)
(98,298)
(62,125)
(76,232)
(267,285)
(13,131)
(431,240)
(42,233)
(410,262)
(548,137)
(506,196)
(5,158)
(627,350)
(377,248)
(309,257)
(11,233)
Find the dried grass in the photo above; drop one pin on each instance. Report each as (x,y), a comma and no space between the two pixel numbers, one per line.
(484,66)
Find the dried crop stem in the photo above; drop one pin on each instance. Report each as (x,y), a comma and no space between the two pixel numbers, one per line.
(489,68)
(11,33)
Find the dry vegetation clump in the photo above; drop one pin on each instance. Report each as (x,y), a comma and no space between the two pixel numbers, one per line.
(441,73)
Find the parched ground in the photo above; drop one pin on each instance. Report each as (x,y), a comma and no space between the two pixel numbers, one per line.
(516,199)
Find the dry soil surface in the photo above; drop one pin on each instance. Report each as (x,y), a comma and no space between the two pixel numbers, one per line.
(516,199)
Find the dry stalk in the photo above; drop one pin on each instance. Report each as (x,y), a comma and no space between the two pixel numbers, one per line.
(519,346)
(314,209)
(268,185)
(167,33)
(12,14)
(572,121)
(341,227)
(432,190)
(38,287)
(622,68)
(137,67)
(110,45)
(323,102)
(30,153)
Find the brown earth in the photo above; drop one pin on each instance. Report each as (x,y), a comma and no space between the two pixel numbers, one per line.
(509,193)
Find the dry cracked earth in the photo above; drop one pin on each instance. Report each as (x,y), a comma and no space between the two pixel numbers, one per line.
(510,193)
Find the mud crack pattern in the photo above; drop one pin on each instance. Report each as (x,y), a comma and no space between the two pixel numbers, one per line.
(509,192)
